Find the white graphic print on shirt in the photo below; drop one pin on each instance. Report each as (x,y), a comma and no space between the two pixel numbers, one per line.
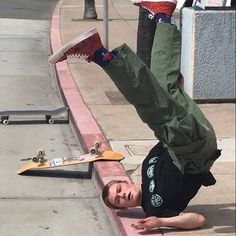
(156,200)
(153,160)
(151,186)
(150,171)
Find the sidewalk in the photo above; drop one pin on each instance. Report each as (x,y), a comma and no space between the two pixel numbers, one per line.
(100,112)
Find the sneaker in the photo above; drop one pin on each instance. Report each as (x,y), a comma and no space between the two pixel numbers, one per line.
(157,6)
(82,47)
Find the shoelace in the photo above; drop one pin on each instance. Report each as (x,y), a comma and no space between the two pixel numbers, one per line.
(150,16)
(152,13)
(79,56)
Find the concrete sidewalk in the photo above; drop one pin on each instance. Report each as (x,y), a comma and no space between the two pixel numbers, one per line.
(100,112)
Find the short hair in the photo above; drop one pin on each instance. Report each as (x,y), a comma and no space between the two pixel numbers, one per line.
(105,192)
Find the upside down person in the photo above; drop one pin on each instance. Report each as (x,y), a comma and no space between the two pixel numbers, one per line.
(177,167)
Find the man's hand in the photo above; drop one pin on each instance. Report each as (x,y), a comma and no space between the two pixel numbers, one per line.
(182,221)
(148,223)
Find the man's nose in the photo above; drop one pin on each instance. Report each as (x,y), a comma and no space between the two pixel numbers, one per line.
(122,194)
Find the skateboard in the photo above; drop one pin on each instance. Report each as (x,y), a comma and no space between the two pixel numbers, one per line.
(40,162)
(48,114)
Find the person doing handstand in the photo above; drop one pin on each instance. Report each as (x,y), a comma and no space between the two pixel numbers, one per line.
(176,168)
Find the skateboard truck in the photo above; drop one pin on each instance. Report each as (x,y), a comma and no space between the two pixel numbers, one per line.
(40,158)
(95,149)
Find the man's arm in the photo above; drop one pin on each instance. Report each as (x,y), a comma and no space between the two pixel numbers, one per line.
(182,221)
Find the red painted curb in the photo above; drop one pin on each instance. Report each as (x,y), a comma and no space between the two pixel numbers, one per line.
(86,127)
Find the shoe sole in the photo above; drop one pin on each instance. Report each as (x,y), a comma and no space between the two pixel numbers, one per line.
(60,53)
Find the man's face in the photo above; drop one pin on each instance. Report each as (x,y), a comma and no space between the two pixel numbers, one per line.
(124,195)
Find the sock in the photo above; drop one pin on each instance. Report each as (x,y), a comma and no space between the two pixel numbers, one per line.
(103,57)
(163,18)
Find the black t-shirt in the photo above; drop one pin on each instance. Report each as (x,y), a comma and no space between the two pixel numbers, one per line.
(165,190)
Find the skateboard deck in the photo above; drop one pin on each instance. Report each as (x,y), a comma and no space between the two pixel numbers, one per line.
(39,162)
(48,114)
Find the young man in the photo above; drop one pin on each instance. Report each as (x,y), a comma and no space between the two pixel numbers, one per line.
(180,163)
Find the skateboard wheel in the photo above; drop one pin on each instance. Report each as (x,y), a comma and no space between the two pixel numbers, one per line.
(92,150)
(35,159)
(5,122)
(51,121)
(97,144)
(41,152)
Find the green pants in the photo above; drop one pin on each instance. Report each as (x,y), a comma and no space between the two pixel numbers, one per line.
(175,119)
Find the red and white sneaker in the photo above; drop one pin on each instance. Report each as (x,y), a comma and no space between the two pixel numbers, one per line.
(82,47)
(157,6)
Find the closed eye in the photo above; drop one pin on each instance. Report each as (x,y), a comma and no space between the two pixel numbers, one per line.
(118,189)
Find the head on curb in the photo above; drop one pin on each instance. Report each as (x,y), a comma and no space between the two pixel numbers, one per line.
(120,194)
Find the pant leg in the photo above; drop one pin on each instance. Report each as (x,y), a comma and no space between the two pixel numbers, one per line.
(174,121)
(165,63)
(165,66)
(145,35)
(136,82)
(165,57)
